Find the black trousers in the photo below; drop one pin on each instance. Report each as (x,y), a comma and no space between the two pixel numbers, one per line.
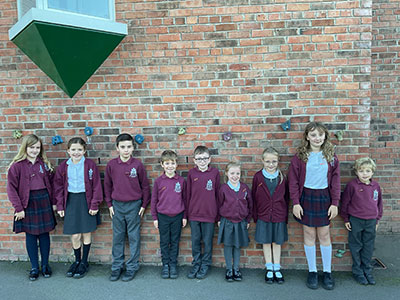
(361,244)
(202,231)
(170,233)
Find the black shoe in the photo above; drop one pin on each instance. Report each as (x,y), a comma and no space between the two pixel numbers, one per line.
(72,269)
(237,276)
(34,274)
(203,272)
(193,272)
(280,279)
(165,271)
(327,281)
(46,271)
(129,275)
(269,280)
(115,275)
(229,275)
(173,271)
(360,279)
(370,279)
(81,270)
(312,280)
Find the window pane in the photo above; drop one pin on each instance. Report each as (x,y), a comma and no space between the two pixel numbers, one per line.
(97,8)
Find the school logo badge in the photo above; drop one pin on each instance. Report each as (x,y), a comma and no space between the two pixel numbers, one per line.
(209,185)
(178,187)
(376,193)
(133,173)
(46,167)
(41,169)
(90,174)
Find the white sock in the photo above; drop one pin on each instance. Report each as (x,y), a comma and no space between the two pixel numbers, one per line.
(311,258)
(326,253)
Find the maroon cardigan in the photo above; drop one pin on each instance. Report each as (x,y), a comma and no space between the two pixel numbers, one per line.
(297,177)
(18,184)
(266,208)
(93,189)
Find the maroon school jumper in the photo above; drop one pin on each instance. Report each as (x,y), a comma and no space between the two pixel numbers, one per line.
(169,196)
(363,201)
(94,192)
(235,206)
(19,183)
(126,181)
(202,194)
(297,177)
(266,208)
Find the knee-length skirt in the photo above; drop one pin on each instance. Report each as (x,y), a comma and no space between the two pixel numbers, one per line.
(268,232)
(233,234)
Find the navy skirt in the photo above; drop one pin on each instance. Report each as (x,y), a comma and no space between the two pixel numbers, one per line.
(268,232)
(77,218)
(315,204)
(39,215)
(233,234)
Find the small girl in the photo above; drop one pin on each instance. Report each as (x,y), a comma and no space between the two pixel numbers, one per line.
(235,209)
(78,193)
(270,213)
(314,185)
(29,188)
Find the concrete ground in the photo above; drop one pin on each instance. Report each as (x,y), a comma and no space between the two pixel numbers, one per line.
(14,283)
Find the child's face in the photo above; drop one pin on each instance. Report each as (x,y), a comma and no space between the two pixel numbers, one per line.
(316,139)
(270,162)
(233,175)
(76,152)
(364,173)
(202,161)
(169,167)
(33,151)
(125,149)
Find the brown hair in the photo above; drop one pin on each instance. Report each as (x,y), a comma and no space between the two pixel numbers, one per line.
(168,155)
(231,164)
(364,161)
(272,150)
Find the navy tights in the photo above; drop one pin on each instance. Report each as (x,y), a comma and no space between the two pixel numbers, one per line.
(32,248)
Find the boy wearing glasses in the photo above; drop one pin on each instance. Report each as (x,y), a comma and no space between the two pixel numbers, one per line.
(127,193)
(203,184)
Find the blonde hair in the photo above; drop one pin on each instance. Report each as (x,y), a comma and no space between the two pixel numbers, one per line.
(28,141)
(231,164)
(272,150)
(364,161)
(327,147)
(168,155)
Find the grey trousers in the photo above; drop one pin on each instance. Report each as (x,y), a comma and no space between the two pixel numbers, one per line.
(361,244)
(202,231)
(126,221)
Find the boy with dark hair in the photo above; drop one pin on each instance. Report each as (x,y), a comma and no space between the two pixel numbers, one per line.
(127,194)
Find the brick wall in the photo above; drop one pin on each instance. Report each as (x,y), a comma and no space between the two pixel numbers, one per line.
(213,66)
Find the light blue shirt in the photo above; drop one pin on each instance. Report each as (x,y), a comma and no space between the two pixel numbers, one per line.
(236,189)
(76,176)
(316,172)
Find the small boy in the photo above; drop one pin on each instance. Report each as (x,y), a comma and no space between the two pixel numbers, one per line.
(361,210)
(203,184)
(127,194)
(168,211)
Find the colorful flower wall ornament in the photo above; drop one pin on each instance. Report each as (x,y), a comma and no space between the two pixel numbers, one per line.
(17,134)
(340,253)
(88,131)
(227,136)
(181,130)
(339,135)
(139,139)
(286,125)
(56,140)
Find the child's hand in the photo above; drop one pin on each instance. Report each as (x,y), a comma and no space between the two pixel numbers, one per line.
(348,226)
(54,207)
(184,222)
(298,211)
(155,224)
(332,212)
(19,215)
(248,225)
(141,212)
(219,223)
(93,212)
(111,211)
(376,227)
(61,213)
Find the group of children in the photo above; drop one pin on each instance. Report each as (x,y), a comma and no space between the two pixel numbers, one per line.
(313,185)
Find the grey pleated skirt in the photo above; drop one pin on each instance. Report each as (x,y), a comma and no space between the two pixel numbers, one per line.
(268,232)
(233,234)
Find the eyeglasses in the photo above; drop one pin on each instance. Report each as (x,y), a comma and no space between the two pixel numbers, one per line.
(202,158)
(271,162)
